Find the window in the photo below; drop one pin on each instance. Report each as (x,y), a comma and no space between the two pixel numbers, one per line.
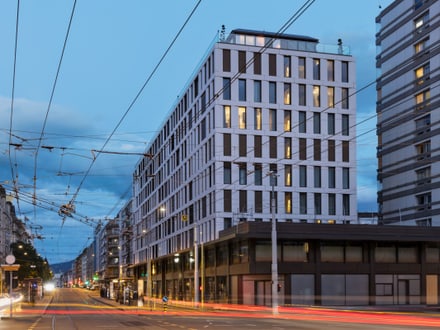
(318,203)
(331,123)
(257,63)
(257,90)
(422,100)
(288,202)
(302,149)
(258,121)
(226,88)
(226,116)
(243,201)
(242,61)
(273,178)
(331,204)
(226,144)
(287,121)
(226,60)
(242,174)
(332,177)
(272,64)
(242,117)
(302,124)
(330,97)
(303,176)
(421,22)
(330,70)
(345,178)
(423,201)
(316,96)
(316,149)
(272,92)
(423,150)
(345,204)
(423,176)
(257,146)
(344,71)
(423,124)
(288,175)
(258,201)
(317,176)
(272,146)
(302,94)
(242,89)
(344,98)
(331,150)
(258,174)
(316,69)
(422,74)
(272,119)
(287,67)
(303,203)
(287,148)
(227,201)
(302,67)
(345,151)
(242,145)
(345,125)
(420,46)
(316,123)
(287,93)
(227,173)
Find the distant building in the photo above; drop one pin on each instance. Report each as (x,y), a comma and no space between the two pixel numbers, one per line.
(408,120)
(265,117)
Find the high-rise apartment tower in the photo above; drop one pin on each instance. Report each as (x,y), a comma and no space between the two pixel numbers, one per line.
(408,126)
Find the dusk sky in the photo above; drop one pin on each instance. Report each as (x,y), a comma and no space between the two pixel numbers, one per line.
(75,88)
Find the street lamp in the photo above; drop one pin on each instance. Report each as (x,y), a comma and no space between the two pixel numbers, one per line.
(196,265)
(274,248)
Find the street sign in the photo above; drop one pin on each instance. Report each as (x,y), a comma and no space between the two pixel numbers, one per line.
(10,268)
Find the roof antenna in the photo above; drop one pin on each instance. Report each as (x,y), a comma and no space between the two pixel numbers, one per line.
(222,33)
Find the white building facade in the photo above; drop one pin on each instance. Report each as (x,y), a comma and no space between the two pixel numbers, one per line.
(265,116)
(408,116)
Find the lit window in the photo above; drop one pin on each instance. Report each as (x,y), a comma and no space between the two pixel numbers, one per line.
(330,97)
(242,117)
(288,175)
(287,93)
(258,118)
(316,96)
(287,148)
(287,64)
(226,116)
(287,121)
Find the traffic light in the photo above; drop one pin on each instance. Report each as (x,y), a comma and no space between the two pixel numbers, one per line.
(279,287)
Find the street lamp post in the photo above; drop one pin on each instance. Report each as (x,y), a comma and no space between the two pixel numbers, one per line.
(196,265)
(274,249)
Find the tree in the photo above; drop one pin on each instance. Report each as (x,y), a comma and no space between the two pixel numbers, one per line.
(32,265)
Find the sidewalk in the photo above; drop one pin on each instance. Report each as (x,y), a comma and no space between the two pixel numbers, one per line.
(157,305)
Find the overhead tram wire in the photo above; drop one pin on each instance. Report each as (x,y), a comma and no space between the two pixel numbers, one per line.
(14,176)
(135,100)
(51,97)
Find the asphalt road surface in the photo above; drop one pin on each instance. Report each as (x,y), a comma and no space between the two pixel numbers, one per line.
(79,309)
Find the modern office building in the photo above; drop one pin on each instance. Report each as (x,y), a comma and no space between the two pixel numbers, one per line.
(266,117)
(408,126)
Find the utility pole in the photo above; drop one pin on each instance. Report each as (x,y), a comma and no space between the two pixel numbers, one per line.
(274,249)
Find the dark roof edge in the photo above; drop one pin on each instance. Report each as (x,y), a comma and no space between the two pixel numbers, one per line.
(274,35)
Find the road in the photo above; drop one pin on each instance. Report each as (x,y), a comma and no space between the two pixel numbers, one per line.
(78,309)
